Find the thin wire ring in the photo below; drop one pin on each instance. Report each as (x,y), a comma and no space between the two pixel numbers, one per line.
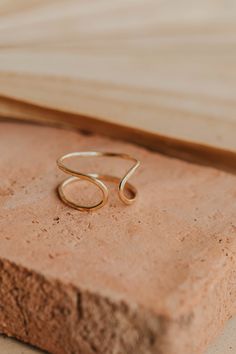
(96,179)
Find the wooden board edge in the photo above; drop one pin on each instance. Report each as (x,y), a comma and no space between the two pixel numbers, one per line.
(189,151)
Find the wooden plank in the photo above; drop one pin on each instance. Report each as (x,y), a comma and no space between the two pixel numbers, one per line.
(142,64)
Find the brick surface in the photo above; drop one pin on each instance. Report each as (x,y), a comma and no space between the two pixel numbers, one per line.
(154,277)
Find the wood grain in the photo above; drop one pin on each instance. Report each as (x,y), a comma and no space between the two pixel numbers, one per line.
(160,66)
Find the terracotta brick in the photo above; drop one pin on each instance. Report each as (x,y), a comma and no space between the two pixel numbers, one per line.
(154,277)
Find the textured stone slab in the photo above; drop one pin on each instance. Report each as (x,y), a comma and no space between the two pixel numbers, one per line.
(224,344)
(154,277)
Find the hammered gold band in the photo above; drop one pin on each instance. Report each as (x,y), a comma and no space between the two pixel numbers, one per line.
(97,179)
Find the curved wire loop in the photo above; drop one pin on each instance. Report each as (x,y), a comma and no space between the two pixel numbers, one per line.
(97,179)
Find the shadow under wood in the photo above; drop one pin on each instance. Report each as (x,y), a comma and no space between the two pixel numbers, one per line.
(185,150)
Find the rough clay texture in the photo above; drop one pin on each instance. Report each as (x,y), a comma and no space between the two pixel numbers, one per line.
(155,277)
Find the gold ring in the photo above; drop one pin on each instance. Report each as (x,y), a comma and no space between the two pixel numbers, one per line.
(96,179)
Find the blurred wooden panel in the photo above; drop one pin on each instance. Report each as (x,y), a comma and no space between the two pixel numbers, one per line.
(164,67)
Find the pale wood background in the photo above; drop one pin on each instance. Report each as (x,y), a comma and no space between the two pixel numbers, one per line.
(165,66)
